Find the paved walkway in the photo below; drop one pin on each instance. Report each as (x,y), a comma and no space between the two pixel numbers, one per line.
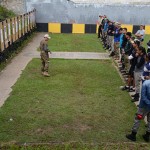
(74,55)
(12,72)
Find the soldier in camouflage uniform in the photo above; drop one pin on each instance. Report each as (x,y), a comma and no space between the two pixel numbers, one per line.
(44,55)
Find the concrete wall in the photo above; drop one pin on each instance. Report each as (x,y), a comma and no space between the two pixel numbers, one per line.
(83,11)
(113,1)
(64,11)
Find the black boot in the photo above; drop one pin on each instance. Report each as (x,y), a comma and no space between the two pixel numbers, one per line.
(135,95)
(111,54)
(136,99)
(146,136)
(131,136)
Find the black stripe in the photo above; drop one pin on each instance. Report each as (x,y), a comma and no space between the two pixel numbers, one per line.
(135,28)
(90,28)
(42,27)
(66,28)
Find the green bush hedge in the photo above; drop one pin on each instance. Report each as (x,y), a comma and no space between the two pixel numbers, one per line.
(5,13)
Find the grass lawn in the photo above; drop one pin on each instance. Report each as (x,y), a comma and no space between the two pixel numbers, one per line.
(79,43)
(79,103)
(75,43)
(146,39)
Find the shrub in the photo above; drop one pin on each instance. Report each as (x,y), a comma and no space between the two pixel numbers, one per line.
(5,13)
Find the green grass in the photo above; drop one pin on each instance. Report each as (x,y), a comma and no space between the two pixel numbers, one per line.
(80,106)
(80,146)
(146,39)
(79,43)
(75,43)
(80,102)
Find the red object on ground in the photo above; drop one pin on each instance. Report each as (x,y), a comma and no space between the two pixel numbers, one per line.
(139,116)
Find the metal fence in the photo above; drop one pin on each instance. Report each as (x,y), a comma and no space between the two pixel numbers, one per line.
(15,28)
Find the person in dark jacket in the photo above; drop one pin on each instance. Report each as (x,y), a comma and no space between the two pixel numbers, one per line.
(123,42)
(146,70)
(105,37)
(133,59)
(143,111)
(127,50)
(110,33)
(140,56)
(100,26)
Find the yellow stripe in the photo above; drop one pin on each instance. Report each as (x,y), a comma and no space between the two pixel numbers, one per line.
(54,27)
(78,28)
(97,26)
(129,27)
(147,29)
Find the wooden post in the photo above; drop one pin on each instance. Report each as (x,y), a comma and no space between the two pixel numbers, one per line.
(34,20)
(5,33)
(19,24)
(26,23)
(9,31)
(13,29)
(1,37)
(23,24)
(16,27)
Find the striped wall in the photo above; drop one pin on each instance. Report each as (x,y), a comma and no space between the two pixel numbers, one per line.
(81,28)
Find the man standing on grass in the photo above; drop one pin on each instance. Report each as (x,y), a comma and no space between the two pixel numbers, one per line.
(44,55)
(110,33)
(139,66)
(100,26)
(143,110)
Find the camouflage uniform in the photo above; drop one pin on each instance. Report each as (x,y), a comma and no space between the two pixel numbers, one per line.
(44,55)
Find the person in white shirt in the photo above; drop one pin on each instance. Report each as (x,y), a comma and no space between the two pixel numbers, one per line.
(140,33)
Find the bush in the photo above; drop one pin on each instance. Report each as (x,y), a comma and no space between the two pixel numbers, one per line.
(5,13)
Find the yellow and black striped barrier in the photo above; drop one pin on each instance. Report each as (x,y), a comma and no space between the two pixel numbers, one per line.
(71,28)
(82,28)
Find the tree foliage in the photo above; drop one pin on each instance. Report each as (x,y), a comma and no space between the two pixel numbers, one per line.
(5,13)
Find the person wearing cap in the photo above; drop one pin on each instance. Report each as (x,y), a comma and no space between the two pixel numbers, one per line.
(140,33)
(44,55)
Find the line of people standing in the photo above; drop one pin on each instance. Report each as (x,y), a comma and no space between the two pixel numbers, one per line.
(134,62)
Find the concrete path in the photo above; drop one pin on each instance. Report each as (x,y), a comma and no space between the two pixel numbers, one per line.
(12,72)
(73,55)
